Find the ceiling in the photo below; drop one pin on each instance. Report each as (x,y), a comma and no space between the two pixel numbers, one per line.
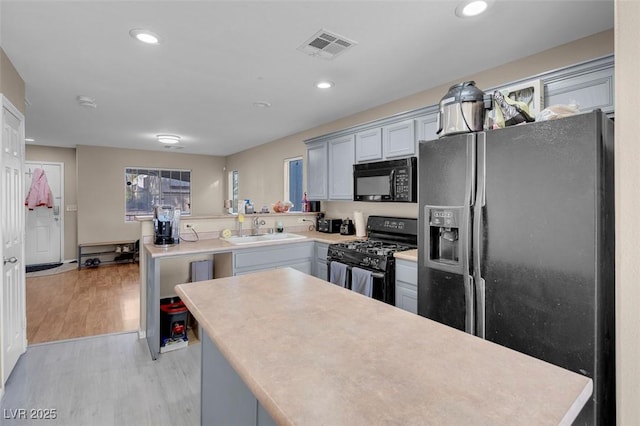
(217,58)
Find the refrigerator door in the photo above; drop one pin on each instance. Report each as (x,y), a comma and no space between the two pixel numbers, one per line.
(446,192)
(542,247)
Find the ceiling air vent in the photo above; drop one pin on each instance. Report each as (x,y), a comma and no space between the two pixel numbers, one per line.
(325,44)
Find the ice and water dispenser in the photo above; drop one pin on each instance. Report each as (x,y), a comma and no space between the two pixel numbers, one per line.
(445,243)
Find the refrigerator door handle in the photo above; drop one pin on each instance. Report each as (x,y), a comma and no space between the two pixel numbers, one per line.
(469,298)
(478,226)
(471,169)
(480,303)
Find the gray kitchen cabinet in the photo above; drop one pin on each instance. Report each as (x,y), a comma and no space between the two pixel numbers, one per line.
(591,87)
(407,285)
(299,256)
(427,126)
(321,270)
(398,139)
(369,145)
(341,159)
(317,169)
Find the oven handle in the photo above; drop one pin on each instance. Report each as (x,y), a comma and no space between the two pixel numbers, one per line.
(379,275)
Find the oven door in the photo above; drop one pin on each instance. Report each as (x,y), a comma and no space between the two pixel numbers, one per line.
(383,283)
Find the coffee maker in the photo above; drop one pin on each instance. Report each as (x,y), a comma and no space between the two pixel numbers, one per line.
(166,226)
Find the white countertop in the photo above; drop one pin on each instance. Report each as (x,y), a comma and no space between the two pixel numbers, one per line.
(314,353)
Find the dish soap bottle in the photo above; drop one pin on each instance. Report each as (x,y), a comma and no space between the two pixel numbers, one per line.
(305,203)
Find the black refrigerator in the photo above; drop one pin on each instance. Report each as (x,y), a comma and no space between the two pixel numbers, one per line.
(516,243)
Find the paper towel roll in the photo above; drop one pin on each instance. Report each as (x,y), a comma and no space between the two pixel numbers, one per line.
(361,230)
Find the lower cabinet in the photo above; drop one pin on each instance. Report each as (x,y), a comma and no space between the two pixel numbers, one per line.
(407,285)
(299,256)
(320,270)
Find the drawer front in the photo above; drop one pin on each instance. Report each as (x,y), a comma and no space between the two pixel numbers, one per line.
(407,271)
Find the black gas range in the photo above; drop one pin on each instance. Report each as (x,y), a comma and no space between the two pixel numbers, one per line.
(386,236)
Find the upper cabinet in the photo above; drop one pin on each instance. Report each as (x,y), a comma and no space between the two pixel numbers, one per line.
(399,140)
(427,127)
(330,157)
(369,145)
(317,161)
(590,86)
(341,159)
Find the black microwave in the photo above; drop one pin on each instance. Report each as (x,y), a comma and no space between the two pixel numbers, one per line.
(391,180)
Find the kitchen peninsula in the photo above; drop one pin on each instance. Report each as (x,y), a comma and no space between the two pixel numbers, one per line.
(283,347)
(295,249)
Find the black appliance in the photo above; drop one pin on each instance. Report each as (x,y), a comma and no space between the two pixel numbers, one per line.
(329,226)
(166,226)
(391,180)
(386,235)
(347,227)
(516,243)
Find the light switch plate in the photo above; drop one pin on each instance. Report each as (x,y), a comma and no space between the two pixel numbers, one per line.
(71,208)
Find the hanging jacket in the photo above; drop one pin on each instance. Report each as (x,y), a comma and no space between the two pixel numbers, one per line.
(39,193)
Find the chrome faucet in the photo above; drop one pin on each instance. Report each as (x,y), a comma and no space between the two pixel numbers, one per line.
(257,222)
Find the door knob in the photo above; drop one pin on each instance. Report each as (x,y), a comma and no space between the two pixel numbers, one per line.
(10,260)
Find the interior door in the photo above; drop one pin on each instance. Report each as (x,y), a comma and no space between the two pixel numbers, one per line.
(44,225)
(12,226)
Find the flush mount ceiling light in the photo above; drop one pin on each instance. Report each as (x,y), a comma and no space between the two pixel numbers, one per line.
(324,84)
(262,104)
(168,139)
(86,101)
(145,36)
(471,8)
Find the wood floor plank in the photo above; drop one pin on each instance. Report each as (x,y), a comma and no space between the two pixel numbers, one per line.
(83,303)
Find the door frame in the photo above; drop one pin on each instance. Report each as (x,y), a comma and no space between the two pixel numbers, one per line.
(62,205)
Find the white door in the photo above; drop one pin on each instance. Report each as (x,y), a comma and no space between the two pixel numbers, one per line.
(12,306)
(44,225)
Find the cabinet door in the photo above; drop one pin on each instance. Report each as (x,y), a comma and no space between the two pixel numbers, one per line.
(406,297)
(317,171)
(369,145)
(591,90)
(320,270)
(341,158)
(407,285)
(427,127)
(398,140)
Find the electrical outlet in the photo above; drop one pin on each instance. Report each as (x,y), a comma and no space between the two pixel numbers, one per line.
(188,225)
(300,219)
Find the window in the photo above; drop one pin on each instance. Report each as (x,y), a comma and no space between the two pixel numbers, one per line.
(146,188)
(293,182)
(233,191)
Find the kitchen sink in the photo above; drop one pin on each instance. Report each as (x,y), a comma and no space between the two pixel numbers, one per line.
(262,238)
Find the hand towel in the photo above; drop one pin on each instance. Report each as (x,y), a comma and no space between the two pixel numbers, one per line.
(338,273)
(362,281)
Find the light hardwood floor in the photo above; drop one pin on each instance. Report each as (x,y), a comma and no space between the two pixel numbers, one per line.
(82,303)
(104,380)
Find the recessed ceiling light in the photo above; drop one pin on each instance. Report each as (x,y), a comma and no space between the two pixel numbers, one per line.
(469,8)
(29,140)
(262,104)
(325,84)
(168,139)
(86,101)
(145,36)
